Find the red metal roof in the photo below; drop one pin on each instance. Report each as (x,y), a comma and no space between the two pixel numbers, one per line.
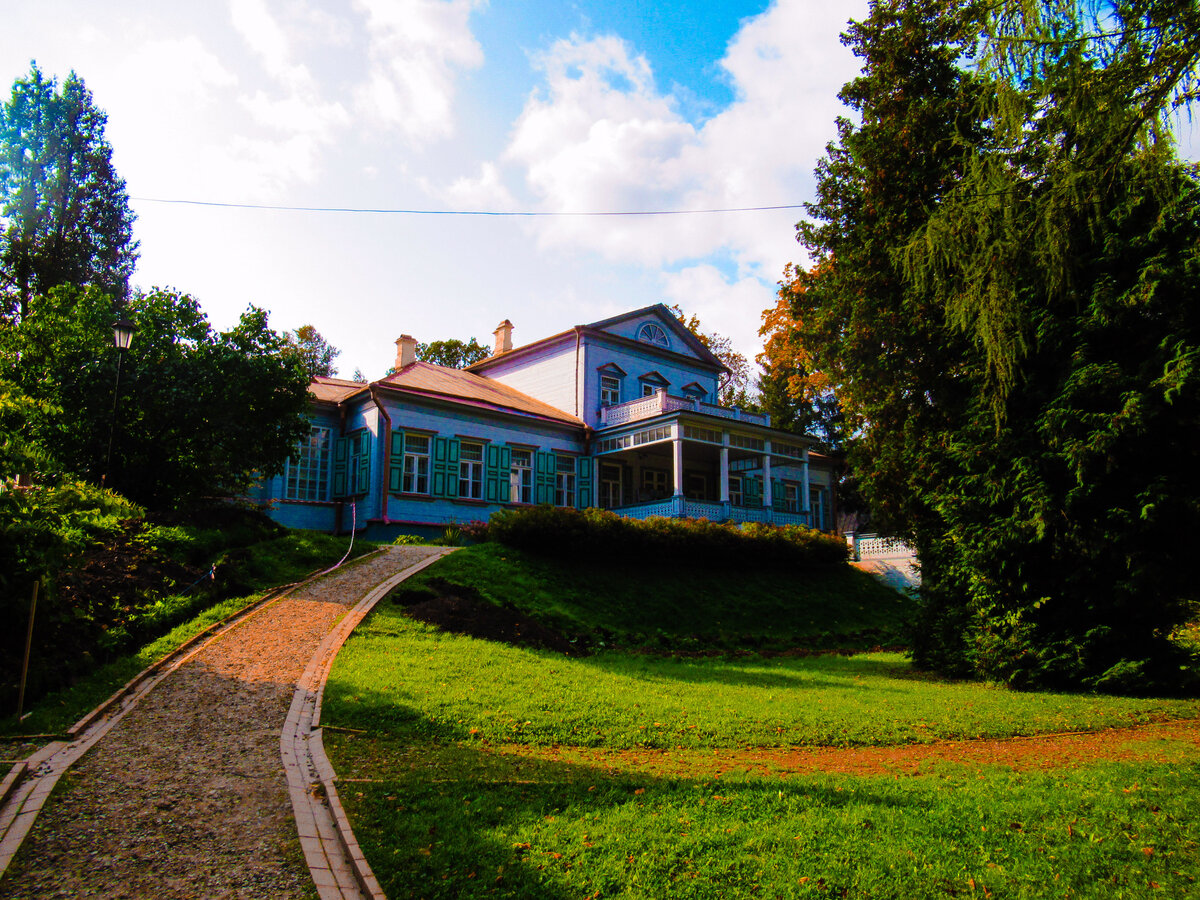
(459,386)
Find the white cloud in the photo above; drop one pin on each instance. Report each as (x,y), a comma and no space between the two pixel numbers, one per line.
(416,48)
(598,136)
(267,39)
(486,191)
(732,308)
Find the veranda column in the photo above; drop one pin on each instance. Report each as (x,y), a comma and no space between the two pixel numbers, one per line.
(724,467)
(804,489)
(677,447)
(768,500)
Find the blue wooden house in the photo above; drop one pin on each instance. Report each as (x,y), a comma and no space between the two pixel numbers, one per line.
(620,414)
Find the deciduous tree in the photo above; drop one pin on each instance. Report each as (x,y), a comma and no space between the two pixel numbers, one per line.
(316,354)
(453,353)
(202,414)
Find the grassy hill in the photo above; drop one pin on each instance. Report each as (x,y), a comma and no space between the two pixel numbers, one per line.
(613,602)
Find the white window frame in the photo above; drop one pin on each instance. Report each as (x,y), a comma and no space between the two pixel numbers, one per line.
(306,477)
(470,470)
(415,478)
(611,489)
(520,479)
(564,480)
(736,496)
(610,390)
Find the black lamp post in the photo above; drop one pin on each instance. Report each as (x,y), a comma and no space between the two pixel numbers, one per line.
(123,331)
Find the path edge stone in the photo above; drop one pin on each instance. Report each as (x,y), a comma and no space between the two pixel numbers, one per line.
(336,861)
(30,781)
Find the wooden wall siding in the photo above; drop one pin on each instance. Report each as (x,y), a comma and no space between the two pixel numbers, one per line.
(547,375)
(599,353)
(499,435)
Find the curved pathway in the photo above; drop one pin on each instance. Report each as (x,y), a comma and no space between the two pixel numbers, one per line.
(187,795)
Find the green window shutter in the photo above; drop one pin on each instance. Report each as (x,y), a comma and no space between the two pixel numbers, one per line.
(362,477)
(396,462)
(544,477)
(499,467)
(341,452)
(752,486)
(584,489)
(778,502)
(445,467)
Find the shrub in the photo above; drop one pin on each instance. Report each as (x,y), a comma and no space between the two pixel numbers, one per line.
(570,533)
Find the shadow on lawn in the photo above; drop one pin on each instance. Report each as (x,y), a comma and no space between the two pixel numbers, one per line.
(826,672)
(441,815)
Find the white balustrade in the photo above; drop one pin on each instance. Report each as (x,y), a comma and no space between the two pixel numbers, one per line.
(661,402)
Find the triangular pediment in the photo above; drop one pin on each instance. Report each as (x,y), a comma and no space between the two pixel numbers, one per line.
(656,328)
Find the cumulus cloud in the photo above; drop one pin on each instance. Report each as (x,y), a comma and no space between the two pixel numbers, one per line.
(732,307)
(416,49)
(597,135)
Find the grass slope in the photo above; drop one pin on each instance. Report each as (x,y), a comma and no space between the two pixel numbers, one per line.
(674,606)
(458,773)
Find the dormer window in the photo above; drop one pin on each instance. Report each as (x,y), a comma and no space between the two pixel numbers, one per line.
(651,333)
(610,390)
(652,382)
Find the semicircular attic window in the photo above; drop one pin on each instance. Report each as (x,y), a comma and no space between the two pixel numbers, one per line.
(653,334)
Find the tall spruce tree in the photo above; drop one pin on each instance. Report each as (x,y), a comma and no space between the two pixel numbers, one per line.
(1034,434)
(64,212)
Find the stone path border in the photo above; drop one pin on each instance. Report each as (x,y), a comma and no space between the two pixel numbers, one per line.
(338,866)
(335,862)
(31,781)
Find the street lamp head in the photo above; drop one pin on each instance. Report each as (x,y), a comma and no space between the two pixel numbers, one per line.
(123,331)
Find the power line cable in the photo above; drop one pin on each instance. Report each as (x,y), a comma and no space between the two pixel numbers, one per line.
(462,212)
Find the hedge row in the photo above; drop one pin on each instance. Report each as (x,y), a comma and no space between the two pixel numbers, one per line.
(593,533)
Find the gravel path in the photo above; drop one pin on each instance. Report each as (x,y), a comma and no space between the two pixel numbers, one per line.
(186,796)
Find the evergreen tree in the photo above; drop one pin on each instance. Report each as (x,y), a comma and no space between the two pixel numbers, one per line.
(1027,403)
(64,212)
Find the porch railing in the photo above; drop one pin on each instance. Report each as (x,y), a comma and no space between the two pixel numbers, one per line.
(660,403)
(875,546)
(677,507)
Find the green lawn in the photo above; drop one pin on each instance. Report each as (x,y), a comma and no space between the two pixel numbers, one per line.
(478,769)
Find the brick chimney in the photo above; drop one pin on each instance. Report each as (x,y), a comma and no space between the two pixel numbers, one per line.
(406,351)
(503,335)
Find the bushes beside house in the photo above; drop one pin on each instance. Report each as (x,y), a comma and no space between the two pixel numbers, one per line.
(110,579)
(571,533)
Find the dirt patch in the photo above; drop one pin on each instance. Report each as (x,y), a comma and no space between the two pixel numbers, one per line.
(1160,742)
(475,617)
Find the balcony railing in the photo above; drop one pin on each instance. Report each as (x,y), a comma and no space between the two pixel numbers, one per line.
(660,402)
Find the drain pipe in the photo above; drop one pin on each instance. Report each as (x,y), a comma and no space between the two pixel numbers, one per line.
(387,452)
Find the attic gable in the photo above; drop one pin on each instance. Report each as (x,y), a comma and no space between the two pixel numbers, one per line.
(656,327)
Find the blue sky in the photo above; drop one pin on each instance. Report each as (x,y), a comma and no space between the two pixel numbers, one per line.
(523,105)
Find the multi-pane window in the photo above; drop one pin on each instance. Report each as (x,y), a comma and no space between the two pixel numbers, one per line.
(654,484)
(470,471)
(649,389)
(610,486)
(521,478)
(416,464)
(736,497)
(564,481)
(653,334)
(610,390)
(307,475)
(791,497)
